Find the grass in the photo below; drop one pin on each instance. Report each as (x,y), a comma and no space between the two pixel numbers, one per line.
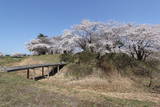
(47,58)
(10,61)
(16,91)
(7,60)
(130,103)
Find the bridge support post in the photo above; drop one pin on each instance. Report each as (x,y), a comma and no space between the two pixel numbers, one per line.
(27,73)
(34,77)
(48,71)
(42,71)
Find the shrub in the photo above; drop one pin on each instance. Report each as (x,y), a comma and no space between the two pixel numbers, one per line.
(78,71)
(67,57)
(86,57)
(118,61)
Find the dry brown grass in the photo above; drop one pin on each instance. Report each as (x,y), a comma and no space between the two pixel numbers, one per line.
(28,61)
(118,84)
(111,86)
(89,88)
(109,83)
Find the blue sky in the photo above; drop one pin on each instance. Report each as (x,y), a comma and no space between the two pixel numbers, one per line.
(22,20)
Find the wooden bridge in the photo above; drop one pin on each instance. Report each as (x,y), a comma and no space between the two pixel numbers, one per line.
(28,68)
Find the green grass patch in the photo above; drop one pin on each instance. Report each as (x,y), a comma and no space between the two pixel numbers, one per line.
(129,103)
(7,60)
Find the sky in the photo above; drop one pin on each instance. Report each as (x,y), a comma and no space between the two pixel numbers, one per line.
(22,20)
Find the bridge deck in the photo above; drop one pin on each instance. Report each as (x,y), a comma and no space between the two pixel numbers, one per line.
(26,67)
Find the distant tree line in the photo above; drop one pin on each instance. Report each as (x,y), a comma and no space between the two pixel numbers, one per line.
(137,40)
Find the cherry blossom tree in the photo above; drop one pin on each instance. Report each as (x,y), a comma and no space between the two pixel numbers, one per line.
(88,33)
(99,37)
(91,35)
(140,41)
(65,42)
(40,45)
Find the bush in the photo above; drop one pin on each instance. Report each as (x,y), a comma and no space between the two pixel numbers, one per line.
(79,71)
(86,57)
(122,61)
(118,61)
(67,57)
(79,58)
